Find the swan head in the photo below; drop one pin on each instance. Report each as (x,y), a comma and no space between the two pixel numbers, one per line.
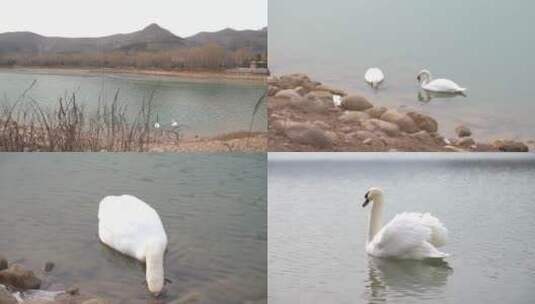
(423,76)
(154,263)
(372,195)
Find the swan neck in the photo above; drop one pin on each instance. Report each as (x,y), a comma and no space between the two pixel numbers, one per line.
(376,218)
(155,271)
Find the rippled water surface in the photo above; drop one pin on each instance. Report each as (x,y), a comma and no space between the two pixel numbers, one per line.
(213,208)
(318,229)
(482,45)
(206,106)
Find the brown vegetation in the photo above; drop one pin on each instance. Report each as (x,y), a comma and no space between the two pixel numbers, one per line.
(210,56)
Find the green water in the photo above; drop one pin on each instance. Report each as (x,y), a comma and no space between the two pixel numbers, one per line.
(207,107)
(213,207)
(483,45)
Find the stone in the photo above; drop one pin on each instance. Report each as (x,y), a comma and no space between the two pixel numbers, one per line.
(300,90)
(329,89)
(19,277)
(3,263)
(96,301)
(510,146)
(49,266)
(322,95)
(376,112)
(353,116)
(363,134)
(405,122)
(423,136)
(463,131)
(388,128)
(424,122)
(272,90)
(465,142)
(356,103)
(6,297)
(308,134)
(73,291)
(310,106)
(453,149)
(288,94)
(321,124)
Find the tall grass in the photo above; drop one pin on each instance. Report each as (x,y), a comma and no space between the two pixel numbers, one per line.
(25,125)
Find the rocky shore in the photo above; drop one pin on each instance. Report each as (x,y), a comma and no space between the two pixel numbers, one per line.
(20,285)
(303,117)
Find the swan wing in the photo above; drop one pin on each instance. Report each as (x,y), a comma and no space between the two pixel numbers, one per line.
(443,85)
(411,236)
(439,233)
(126,224)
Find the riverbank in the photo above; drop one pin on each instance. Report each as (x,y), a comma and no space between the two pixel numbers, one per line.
(303,117)
(208,75)
(230,142)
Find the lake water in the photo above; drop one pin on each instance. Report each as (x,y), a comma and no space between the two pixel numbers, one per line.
(206,106)
(482,45)
(318,229)
(213,207)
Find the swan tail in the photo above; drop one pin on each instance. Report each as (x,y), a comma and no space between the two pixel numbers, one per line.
(461,90)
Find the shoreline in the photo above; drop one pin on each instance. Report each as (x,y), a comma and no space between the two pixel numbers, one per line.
(191,74)
(303,117)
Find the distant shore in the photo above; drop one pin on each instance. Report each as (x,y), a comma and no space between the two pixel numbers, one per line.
(192,74)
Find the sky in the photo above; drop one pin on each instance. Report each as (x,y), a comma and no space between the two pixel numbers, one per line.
(94,18)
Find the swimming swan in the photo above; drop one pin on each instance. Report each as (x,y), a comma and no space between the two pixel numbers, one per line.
(437,85)
(414,236)
(130,226)
(374,77)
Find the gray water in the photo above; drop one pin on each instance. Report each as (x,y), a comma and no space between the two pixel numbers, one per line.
(318,229)
(483,45)
(213,207)
(207,107)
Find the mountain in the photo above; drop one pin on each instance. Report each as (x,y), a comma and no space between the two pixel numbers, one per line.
(151,38)
(232,39)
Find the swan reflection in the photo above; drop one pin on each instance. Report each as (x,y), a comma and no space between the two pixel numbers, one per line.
(427,96)
(388,278)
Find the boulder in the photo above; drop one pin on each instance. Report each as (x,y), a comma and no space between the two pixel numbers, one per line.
(297,80)
(465,142)
(423,136)
(332,90)
(309,106)
(49,266)
(322,95)
(356,103)
(272,91)
(19,277)
(301,91)
(376,112)
(321,124)
(386,127)
(96,301)
(288,94)
(6,297)
(272,80)
(353,116)
(404,121)
(3,263)
(510,146)
(463,131)
(308,134)
(424,122)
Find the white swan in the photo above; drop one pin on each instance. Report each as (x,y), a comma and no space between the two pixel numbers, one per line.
(437,85)
(374,77)
(174,124)
(413,236)
(130,226)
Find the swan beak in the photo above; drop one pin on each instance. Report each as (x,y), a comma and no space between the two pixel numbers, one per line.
(366,202)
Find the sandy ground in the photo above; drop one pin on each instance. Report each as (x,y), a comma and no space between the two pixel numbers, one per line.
(232,142)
